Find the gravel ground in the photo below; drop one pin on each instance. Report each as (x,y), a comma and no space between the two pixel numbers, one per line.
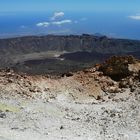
(61,118)
(41,108)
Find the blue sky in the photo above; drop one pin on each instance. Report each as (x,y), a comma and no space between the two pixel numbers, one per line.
(115,18)
(70,5)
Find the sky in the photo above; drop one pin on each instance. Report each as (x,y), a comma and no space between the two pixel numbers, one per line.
(117,18)
(70,5)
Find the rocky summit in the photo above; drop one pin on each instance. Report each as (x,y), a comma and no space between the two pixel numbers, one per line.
(99,103)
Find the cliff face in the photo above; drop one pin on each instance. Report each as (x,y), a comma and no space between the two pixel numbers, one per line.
(79,51)
(70,43)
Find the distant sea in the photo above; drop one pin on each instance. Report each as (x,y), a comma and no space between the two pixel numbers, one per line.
(116,25)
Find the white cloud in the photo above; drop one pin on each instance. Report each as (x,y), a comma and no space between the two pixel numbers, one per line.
(58,23)
(43,24)
(57,15)
(62,22)
(136,17)
(54,20)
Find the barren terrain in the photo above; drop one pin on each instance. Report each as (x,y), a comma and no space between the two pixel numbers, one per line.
(85,105)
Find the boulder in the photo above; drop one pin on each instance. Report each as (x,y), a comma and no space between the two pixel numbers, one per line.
(2,115)
(114,89)
(135,68)
(118,67)
(68,74)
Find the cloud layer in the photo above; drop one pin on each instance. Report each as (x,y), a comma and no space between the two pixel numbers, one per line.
(58,20)
(58,23)
(54,20)
(43,24)
(136,17)
(62,22)
(57,15)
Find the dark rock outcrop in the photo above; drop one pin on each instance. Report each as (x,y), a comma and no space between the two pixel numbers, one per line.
(118,67)
(71,43)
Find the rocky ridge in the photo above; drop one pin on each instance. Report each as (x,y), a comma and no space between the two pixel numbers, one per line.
(16,51)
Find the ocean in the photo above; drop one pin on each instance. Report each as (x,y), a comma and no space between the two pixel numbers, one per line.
(116,25)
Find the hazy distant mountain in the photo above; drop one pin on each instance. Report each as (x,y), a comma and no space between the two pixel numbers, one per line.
(98,34)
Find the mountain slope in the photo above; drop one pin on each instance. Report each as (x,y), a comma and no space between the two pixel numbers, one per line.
(79,51)
(72,43)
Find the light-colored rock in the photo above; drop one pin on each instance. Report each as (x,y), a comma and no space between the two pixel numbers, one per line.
(134,67)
